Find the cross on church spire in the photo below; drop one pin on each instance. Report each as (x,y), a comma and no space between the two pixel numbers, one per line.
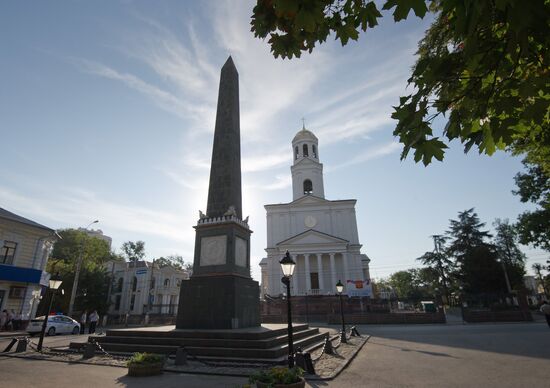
(303,123)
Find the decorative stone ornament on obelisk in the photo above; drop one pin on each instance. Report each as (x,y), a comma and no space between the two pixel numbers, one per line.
(221,294)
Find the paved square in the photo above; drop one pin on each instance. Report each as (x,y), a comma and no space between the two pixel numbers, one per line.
(480,355)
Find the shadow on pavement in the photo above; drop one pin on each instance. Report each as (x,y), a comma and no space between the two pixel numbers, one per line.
(520,339)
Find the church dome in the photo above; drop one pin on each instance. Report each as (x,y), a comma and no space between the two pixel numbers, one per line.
(304,134)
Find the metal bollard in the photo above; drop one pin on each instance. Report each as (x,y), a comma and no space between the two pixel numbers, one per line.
(309,364)
(89,351)
(8,348)
(21,345)
(299,359)
(181,357)
(328,345)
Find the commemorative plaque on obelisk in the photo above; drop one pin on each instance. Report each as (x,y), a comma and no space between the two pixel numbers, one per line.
(221,294)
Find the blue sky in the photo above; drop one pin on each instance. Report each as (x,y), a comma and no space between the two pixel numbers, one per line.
(107,112)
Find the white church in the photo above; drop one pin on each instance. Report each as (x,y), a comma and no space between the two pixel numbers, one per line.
(320,234)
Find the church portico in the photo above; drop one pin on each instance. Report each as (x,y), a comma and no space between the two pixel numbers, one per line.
(315,273)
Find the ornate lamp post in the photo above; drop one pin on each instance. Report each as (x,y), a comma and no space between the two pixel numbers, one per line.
(339,290)
(55,283)
(287,265)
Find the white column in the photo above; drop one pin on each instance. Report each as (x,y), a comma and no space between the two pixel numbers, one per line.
(307,274)
(320,273)
(295,277)
(345,257)
(332,273)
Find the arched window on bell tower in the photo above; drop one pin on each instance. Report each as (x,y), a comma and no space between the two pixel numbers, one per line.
(296,153)
(314,151)
(308,187)
(306,153)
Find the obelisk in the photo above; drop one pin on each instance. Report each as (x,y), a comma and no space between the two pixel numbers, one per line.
(221,294)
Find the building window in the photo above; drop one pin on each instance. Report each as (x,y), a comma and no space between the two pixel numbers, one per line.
(132,302)
(296,152)
(308,187)
(117,303)
(166,282)
(306,153)
(17,292)
(134,284)
(178,282)
(119,285)
(314,277)
(8,252)
(314,150)
(153,283)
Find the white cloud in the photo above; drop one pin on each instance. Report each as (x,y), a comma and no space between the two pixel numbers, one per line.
(367,155)
(71,207)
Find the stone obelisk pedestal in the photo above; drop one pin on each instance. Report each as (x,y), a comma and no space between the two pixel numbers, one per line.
(221,294)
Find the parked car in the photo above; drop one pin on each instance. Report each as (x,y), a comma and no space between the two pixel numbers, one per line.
(57,324)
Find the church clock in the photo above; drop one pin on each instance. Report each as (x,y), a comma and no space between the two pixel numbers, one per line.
(310,221)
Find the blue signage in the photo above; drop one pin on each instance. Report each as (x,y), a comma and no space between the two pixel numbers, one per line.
(20,274)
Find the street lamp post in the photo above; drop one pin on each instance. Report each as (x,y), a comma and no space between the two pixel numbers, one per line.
(339,290)
(77,272)
(287,265)
(54,284)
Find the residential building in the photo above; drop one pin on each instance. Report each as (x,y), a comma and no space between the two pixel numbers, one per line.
(320,234)
(25,247)
(143,287)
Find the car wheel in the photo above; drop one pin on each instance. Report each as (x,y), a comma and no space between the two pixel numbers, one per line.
(51,331)
(76,330)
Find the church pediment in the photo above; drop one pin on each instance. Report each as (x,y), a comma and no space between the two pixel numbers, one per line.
(309,199)
(312,237)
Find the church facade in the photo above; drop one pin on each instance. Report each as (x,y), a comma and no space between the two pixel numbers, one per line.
(321,235)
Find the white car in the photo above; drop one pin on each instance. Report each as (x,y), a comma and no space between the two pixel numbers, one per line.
(57,324)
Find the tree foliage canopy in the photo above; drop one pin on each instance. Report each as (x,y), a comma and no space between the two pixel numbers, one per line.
(484,65)
(534,186)
(94,281)
(175,261)
(133,251)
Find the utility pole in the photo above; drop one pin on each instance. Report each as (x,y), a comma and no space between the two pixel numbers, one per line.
(151,288)
(77,272)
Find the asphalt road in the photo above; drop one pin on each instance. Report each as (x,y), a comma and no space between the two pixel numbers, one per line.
(484,355)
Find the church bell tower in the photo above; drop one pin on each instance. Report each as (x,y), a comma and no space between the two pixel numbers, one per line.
(307,171)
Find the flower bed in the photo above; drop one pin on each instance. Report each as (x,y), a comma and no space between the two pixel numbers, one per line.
(145,364)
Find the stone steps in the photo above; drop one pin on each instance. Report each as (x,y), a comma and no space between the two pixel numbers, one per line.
(267,345)
(205,342)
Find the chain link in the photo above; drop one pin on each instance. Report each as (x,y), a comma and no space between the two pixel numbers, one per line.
(106,353)
(45,349)
(333,346)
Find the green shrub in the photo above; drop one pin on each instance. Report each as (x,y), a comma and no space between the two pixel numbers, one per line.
(145,358)
(278,375)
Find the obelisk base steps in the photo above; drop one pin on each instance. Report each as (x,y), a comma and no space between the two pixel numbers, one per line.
(219,302)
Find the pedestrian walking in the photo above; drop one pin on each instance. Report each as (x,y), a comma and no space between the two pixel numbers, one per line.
(9,322)
(16,320)
(94,318)
(83,319)
(545,309)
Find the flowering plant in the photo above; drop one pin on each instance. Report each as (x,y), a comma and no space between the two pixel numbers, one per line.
(278,375)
